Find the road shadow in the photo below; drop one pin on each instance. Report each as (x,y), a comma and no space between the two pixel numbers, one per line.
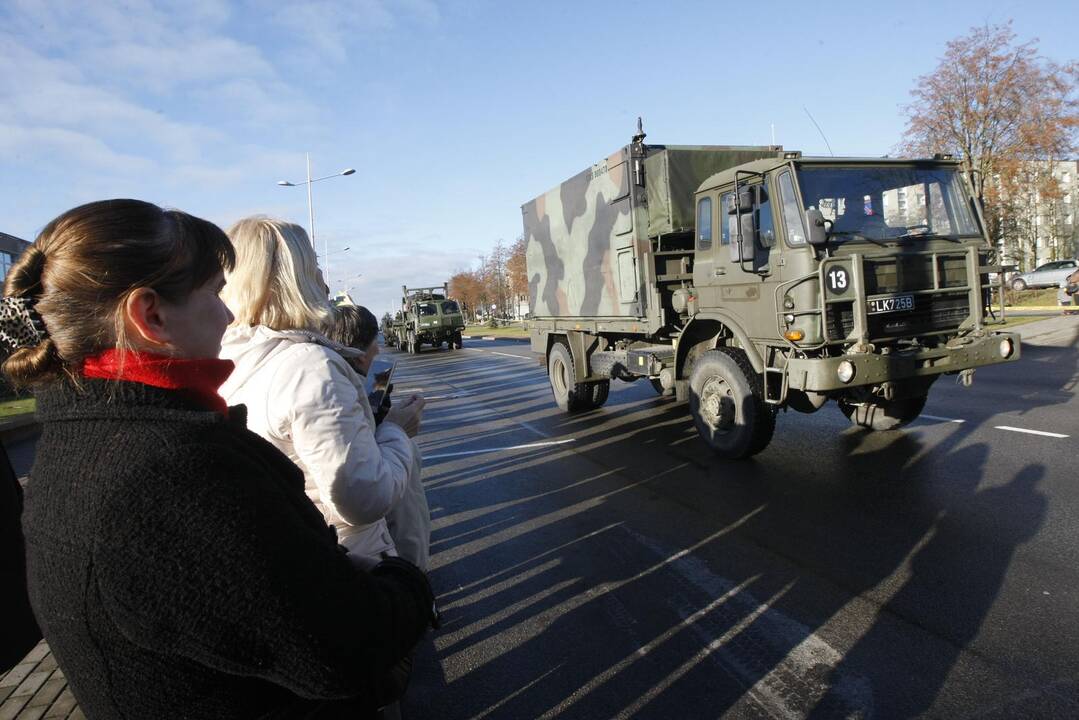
(632,574)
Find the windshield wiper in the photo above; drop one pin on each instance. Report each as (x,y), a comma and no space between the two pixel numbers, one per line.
(928,236)
(857,236)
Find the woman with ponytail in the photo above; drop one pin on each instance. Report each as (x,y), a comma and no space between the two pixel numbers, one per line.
(174,562)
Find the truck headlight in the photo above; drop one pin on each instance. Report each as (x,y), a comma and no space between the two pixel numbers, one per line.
(1006,348)
(845,371)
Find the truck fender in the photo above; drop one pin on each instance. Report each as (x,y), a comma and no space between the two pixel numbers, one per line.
(710,326)
(580,344)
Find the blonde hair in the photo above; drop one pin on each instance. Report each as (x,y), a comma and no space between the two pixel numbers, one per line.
(276,281)
(83,266)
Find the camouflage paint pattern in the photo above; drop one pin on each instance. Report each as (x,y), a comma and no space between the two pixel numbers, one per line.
(574,226)
(586,239)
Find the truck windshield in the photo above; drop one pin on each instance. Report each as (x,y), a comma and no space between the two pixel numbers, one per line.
(427,309)
(882,203)
(450,308)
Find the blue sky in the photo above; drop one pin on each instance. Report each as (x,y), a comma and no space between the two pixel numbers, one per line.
(452,113)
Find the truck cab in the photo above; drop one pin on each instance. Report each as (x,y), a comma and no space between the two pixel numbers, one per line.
(855,280)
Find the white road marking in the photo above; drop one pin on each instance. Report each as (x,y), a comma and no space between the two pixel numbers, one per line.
(942,419)
(1030,432)
(515,357)
(498,449)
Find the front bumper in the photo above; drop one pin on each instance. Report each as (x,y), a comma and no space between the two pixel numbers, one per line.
(821,374)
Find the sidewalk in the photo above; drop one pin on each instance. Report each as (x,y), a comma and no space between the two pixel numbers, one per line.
(1060,331)
(36,689)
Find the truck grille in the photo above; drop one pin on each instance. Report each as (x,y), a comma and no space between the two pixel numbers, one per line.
(930,313)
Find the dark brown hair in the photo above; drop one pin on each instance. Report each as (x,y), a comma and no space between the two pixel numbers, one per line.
(354,326)
(85,263)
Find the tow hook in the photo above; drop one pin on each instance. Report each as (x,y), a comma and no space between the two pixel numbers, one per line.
(966,377)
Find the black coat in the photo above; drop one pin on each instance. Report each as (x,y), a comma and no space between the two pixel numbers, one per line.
(178,569)
(20,629)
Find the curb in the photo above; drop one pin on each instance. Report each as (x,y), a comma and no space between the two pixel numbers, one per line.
(17,427)
(493,337)
(1040,308)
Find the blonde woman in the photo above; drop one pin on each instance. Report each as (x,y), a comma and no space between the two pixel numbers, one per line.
(304,397)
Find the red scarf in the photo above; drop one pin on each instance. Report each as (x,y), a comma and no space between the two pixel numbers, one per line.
(200,377)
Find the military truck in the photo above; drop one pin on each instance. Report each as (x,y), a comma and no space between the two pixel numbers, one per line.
(752,279)
(427,317)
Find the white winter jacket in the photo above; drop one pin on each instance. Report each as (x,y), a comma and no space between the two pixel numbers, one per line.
(305,398)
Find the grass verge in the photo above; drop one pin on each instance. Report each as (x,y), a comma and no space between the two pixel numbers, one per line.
(513,331)
(22,406)
(1020,298)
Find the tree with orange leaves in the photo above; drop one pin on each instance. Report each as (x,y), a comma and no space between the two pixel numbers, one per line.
(999,106)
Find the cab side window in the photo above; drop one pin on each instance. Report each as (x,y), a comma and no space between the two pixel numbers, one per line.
(724,218)
(765,223)
(704,224)
(792,215)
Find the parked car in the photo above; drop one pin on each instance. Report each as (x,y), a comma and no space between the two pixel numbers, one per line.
(1048,275)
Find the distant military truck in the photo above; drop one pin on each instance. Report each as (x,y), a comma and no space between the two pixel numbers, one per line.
(749,279)
(427,317)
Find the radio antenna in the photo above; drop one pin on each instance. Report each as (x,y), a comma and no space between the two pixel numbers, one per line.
(819,130)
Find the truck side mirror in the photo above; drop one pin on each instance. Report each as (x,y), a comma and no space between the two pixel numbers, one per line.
(818,234)
(742,250)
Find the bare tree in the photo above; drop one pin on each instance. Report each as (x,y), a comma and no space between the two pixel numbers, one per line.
(995,102)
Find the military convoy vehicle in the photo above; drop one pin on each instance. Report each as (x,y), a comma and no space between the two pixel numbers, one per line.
(750,279)
(427,317)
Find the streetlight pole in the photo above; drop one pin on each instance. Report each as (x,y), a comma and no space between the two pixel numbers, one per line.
(311,205)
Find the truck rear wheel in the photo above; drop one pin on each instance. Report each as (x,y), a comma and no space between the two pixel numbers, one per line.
(727,403)
(570,396)
(883,414)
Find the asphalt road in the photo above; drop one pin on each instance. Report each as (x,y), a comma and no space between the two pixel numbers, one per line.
(606,565)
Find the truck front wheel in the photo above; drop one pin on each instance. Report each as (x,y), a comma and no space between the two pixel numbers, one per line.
(727,404)
(883,414)
(570,396)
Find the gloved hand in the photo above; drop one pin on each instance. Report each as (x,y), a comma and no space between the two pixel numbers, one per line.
(415,578)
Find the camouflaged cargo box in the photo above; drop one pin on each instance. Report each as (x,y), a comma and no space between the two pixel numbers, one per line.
(584,239)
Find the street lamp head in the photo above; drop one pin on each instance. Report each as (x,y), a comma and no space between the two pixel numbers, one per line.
(285,183)
(348,171)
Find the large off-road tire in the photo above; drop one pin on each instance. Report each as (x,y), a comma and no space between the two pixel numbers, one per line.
(884,414)
(660,390)
(600,391)
(570,396)
(456,342)
(726,399)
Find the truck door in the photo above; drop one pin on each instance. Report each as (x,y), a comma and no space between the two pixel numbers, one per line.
(738,275)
